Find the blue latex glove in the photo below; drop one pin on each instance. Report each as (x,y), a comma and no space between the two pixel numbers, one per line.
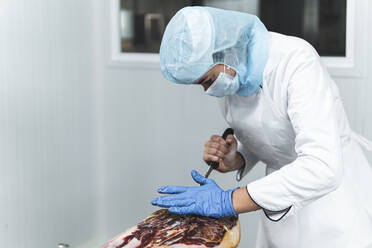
(208,199)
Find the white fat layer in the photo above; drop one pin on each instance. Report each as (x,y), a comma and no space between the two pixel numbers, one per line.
(187,246)
(118,240)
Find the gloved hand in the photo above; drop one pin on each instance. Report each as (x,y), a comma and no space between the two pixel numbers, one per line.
(208,199)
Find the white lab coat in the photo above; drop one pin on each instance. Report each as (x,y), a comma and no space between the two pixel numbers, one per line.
(317,188)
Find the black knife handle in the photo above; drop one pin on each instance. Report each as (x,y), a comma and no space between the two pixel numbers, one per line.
(227,132)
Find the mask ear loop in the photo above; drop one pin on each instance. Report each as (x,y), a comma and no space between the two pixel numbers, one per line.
(226,67)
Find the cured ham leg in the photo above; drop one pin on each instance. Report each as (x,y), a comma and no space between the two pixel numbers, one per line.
(163,229)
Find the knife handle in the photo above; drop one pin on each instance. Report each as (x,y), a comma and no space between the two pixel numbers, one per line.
(228,131)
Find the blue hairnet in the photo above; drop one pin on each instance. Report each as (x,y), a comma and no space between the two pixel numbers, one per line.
(197,38)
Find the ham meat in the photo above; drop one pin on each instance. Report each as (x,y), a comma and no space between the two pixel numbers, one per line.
(163,229)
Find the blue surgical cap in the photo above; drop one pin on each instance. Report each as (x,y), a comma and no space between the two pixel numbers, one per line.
(197,38)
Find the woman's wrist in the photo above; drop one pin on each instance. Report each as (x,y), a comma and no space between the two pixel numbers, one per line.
(242,202)
(239,161)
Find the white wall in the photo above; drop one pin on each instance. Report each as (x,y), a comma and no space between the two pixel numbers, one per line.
(47,166)
(366,106)
(83,145)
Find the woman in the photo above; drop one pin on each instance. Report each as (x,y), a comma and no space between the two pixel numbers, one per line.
(286,112)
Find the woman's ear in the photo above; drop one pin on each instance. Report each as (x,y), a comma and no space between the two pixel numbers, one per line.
(224,68)
(230,71)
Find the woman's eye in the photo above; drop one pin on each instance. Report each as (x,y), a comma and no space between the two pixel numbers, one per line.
(209,82)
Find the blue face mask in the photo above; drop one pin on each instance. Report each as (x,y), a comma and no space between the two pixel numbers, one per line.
(224,85)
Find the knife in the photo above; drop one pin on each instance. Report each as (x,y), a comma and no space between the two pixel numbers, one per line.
(212,164)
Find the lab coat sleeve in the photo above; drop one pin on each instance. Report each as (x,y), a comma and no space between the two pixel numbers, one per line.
(250,160)
(318,168)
